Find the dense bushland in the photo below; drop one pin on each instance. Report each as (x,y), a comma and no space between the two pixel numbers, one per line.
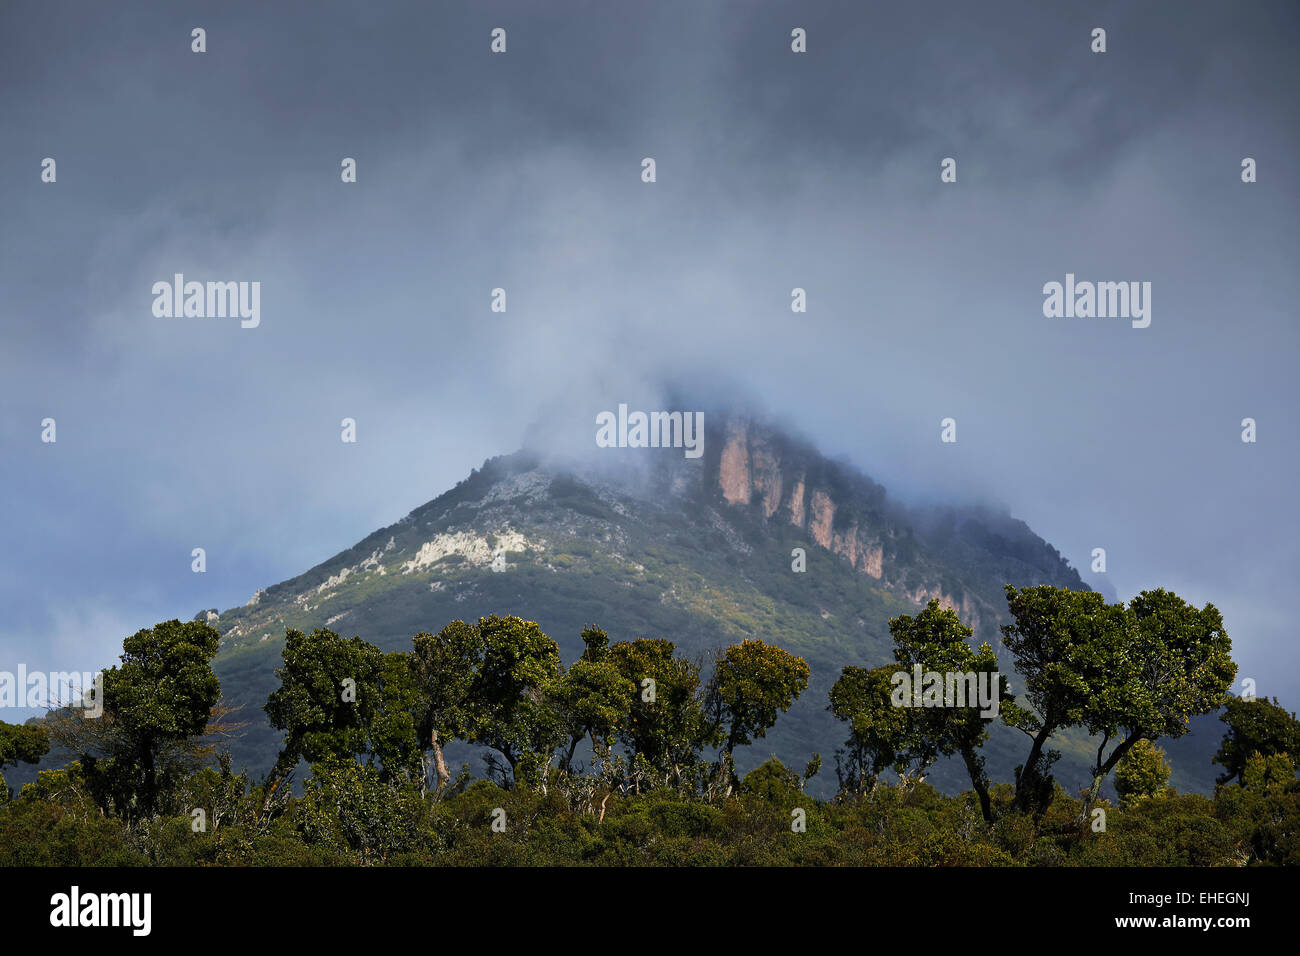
(626,756)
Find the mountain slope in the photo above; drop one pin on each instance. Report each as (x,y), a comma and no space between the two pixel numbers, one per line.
(648,543)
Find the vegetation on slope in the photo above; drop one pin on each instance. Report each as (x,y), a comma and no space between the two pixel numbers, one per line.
(628,755)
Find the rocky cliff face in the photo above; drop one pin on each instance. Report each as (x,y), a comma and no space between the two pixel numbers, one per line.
(757,466)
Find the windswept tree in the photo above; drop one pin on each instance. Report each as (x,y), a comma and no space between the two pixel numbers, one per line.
(1255,726)
(1066,646)
(1123,673)
(937,640)
(20,743)
(752,684)
(158,705)
(443,667)
(1176,664)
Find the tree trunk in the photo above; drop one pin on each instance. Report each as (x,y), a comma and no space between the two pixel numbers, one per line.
(439,765)
(1031,766)
(979,781)
(1100,773)
(573,746)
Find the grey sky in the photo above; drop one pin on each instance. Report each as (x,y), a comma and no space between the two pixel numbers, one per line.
(775,170)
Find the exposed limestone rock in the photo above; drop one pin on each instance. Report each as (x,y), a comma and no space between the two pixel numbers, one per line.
(749,467)
(797,511)
(333,581)
(734,468)
(823,514)
(967,609)
(846,544)
(473,548)
(873,561)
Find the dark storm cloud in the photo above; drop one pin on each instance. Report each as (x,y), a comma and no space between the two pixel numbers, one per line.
(522,171)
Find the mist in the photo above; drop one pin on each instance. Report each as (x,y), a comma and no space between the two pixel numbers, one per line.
(522,172)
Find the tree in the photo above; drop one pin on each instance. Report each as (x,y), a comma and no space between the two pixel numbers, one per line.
(348,807)
(443,667)
(327,699)
(393,738)
(880,734)
(752,684)
(593,700)
(773,783)
(20,743)
(507,695)
(936,639)
(1142,772)
(1176,665)
(1063,643)
(158,705)
(1255,726)
(667,727)
(1270,773)
(1123,673)
(595,645)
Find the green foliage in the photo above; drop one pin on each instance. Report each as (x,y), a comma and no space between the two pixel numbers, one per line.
(56,822)
(1122,673)
(164,688)
(442,668)
(1063,643)
(936,641)
(507,696)
(364,719)
(393,728)
(752,684)
(811,770)
(1255,725)
(329,695)
(772,782)
(667,726)
(1268,774)
(878,731)
(347,807)
(25,743)
(1142,772)
(348,815)
(592,699)
(156,706)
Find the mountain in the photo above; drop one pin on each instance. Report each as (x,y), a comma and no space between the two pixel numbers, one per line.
(651,543)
